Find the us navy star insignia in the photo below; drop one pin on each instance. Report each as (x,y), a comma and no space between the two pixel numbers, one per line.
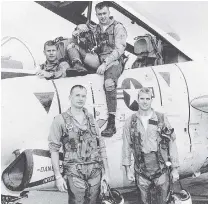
(133,93)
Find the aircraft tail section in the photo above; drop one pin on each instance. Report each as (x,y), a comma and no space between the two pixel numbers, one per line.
(31,170)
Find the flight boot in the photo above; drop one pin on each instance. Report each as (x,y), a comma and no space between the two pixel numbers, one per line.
(77,65)
(77,69)
(110,129)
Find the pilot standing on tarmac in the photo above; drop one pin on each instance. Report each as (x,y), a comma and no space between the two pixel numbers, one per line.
(85,162)
(151,150)
(52,68)
(107,59)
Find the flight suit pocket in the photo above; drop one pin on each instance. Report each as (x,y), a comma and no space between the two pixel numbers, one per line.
(161,180)
(96,179)
(78,183)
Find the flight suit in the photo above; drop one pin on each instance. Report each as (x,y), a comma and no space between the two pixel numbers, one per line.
(83,151)
(57,68)
(150,155)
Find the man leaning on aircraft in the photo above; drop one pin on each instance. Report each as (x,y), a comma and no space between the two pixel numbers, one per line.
(106,57)
(148,135)
(85,161)
(52,68)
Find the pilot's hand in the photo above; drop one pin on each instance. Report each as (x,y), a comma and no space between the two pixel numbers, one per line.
(101,69)
(45,74)
(175,175)
(130,176)
(40,73)
(61,184)
(104,183)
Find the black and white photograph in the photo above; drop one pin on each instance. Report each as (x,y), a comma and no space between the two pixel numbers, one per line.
(104,102)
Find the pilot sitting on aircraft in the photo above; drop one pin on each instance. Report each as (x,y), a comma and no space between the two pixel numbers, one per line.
(106,57)
(52,68)
(147,134)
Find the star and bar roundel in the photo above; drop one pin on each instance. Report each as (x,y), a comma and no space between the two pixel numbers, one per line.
(129,93)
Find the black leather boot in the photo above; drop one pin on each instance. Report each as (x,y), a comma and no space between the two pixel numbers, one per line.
(110,130)
(77,65)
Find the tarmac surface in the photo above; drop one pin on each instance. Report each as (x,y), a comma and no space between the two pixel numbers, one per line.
(198,187)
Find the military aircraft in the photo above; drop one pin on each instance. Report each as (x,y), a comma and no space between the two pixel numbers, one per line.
(29,104)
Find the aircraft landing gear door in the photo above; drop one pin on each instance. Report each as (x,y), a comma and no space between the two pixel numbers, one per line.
(174,99)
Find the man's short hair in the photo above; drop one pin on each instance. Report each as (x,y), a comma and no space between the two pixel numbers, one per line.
(145,90)
(101,5)
(49,43)
(77,86)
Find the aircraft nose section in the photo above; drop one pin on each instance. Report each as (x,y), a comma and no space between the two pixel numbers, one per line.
(14,176)
(200,103)
(31,170)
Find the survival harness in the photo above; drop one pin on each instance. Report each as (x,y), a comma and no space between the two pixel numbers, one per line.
(89,148)
(163,150)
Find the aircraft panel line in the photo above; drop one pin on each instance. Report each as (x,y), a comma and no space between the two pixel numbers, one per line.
(189,111)
(158,86)
(57,95)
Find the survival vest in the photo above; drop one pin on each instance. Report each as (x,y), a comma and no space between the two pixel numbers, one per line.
(105,40)
(80,146)
(148,50)
(162,154)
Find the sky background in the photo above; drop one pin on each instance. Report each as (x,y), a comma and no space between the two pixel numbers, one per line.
(34,24)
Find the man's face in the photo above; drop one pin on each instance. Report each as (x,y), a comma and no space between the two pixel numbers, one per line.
(78,97)
(103,15)
(145,101)
(50,53)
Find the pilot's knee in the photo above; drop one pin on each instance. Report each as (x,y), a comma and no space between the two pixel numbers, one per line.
(109,85)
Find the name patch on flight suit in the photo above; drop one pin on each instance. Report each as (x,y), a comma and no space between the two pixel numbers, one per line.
(153,122)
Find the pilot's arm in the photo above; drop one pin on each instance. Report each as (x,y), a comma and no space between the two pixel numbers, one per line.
(61,72)
(127,149)
(174,158)
(54,137)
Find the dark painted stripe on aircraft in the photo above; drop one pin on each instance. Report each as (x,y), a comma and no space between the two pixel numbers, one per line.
(41,182)
(57,94)
(158,86)
(189,105)
(7,75)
